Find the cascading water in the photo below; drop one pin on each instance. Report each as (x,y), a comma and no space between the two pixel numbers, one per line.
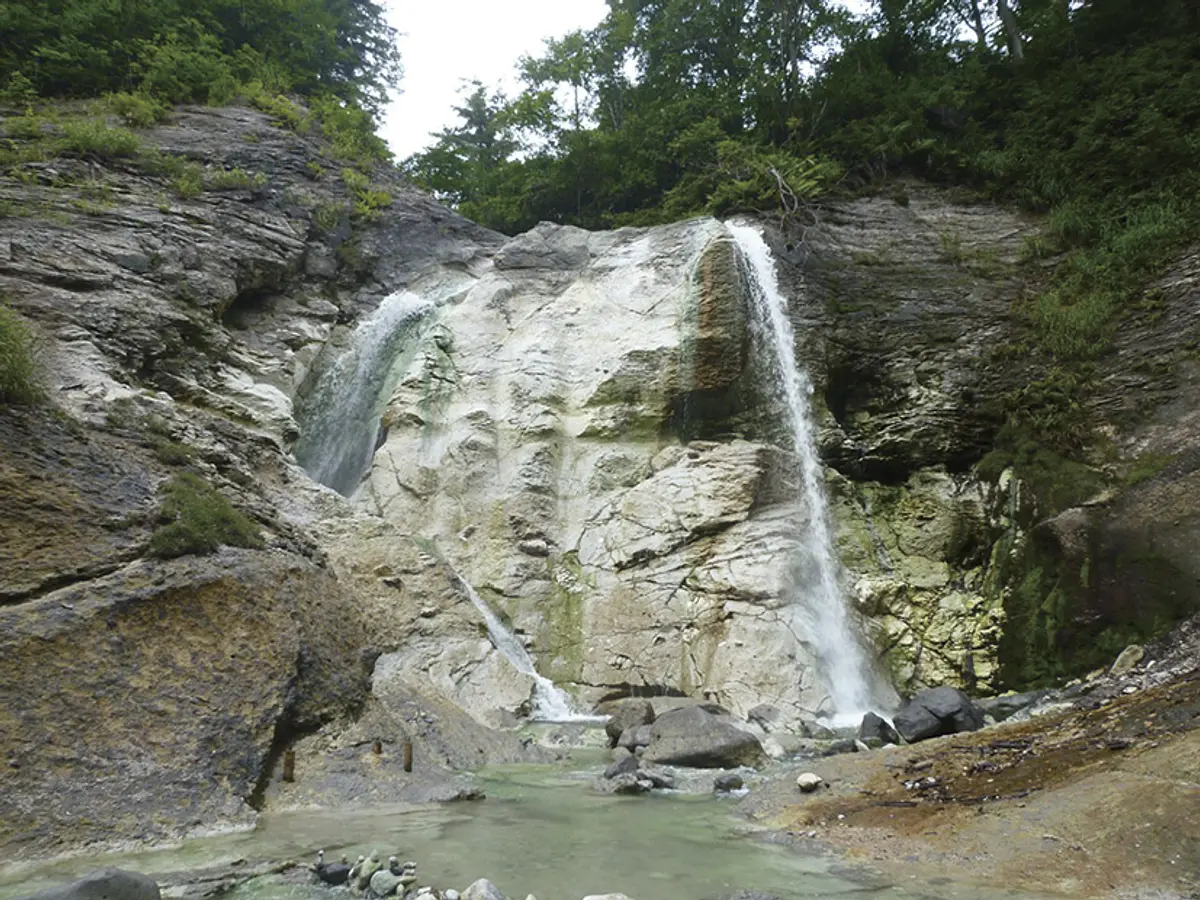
(853,686)
(341,415)
(550,702)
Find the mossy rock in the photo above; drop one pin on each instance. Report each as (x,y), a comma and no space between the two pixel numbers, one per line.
(196,519)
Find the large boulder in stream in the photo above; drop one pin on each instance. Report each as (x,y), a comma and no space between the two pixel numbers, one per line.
(691,736)
(937,711)
(106,884)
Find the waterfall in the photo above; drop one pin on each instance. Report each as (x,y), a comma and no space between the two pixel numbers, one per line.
(849,675)
(340,424)
(550,702)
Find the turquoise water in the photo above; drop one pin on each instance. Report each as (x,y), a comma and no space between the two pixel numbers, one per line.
(540,831)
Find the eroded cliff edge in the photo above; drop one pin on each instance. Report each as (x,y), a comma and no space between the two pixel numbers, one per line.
(578,425)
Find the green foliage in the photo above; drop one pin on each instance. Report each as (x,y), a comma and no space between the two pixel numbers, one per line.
(186,65)
(18,92)
(187,181)
(199,50)
(327,216)
(90,137)
(350,131)
(234,179)
(368,201)
(196,519)
(171,453)
(18,360)
(137,110)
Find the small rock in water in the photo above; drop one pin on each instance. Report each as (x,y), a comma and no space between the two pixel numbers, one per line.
(482,890)
(627,764)
(808,782)
(662,779)
(606,897)
(451,894)
(731,781)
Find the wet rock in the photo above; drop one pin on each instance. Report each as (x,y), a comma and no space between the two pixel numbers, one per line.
(692,737)
(107,884)
(808,782)
(626,765)
(624,715)
(660,779)
(632,738)
(384,882)
(628,783)
(874,726)
(937,711)
(730,781)
(607,897)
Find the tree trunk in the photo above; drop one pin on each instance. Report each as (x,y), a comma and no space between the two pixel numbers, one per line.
(1011,31)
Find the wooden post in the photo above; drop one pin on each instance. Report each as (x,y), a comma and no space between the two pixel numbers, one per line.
(407,755)
(289,765)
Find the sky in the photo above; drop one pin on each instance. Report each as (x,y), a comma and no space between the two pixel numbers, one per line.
(445,42)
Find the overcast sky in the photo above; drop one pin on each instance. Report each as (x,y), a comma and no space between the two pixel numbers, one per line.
(445,42)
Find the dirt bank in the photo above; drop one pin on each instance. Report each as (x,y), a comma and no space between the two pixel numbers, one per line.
(1093,802)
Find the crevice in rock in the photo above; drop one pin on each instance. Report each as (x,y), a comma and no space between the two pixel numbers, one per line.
(627,689)
(287,734)
(59,582)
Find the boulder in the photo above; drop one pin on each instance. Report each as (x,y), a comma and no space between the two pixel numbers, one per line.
(875,726)
(808,782)
(632,738)
(690,736)
(837,748)
(482,890)
(731,781)
(384,883)
(1006,705)
(764,716)
(625,783)
(626,764)
(661,779)
(937,711)
(1130,657)
(625,714)
(106,884)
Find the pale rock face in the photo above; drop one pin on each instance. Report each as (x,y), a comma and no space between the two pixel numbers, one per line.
(530,437)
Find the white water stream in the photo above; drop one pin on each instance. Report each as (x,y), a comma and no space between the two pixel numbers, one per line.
(550,702)
(853,686)
(341,423)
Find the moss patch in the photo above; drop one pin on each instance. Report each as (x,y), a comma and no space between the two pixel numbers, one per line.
(196,519)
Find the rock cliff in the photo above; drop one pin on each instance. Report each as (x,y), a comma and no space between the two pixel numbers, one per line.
(574,422)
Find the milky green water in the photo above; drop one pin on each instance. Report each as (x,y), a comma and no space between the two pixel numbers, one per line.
(540,831)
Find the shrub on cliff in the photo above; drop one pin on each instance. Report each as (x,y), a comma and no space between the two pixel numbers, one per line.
(18,361)
(196,519)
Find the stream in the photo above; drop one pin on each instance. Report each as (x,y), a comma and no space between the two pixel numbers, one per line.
(541,830)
